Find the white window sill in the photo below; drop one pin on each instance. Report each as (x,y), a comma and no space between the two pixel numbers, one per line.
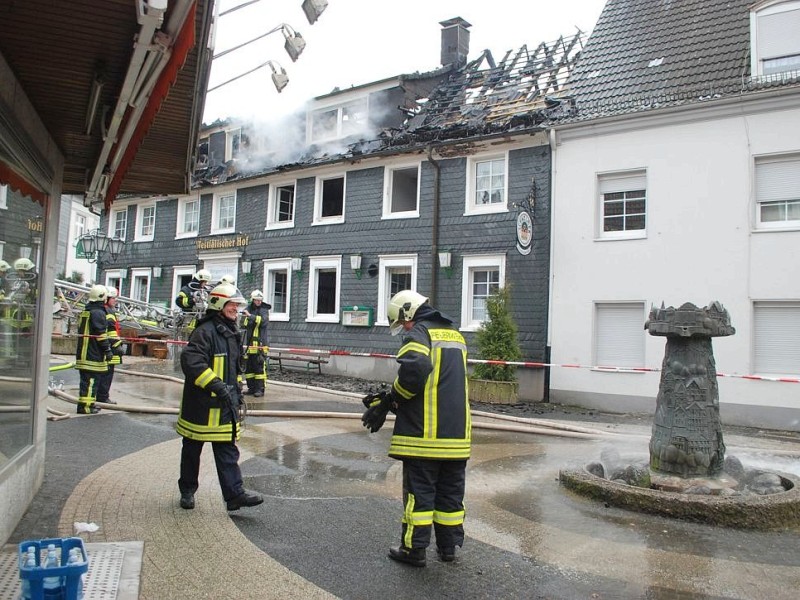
(281,225)
(222,231)
(401,215)
(143,239)
(326,319)
(490,209)
(279,317)
(775,228)
(331,221)
(470,328)
(183,236)
(621,238)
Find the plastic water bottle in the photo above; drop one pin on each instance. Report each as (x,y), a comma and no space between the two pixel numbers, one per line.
(29,561)
(75,558)
(52,585)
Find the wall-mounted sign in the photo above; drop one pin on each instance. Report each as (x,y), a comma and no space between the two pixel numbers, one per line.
(357,316)
(524,223)
(223,243)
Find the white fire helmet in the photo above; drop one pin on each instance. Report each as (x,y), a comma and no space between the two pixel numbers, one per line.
(98,293)
(402,307)
(203,275)
(222,294)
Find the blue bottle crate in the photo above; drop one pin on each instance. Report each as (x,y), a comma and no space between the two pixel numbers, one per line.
(70,574)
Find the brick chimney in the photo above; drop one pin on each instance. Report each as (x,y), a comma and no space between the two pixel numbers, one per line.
(455,41)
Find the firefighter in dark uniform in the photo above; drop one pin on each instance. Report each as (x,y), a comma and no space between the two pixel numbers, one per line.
(188,294)
(4,267)
(117,347)
(209,408)
(94,350)
(255,326)
(432,431)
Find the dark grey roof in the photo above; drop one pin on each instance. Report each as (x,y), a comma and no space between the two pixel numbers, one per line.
(646,54)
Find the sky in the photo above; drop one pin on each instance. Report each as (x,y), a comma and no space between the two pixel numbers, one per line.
(355,42)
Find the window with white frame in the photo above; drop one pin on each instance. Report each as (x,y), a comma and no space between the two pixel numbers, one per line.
(188,217)
(140,285)
(221,264)
(481,276)
(619,335)
(280,206)
(777,185)
(233,140)
(4,197)
(776,331)
(118,223)
(80,226)
(114,278)
(401,191)
(487,189)
(323,289)
(329,200)
(622,206)
(181,275)
(396,273)
(775,42)
(338,121)
(2,249)
(145,222)
(223,213)
(278,287)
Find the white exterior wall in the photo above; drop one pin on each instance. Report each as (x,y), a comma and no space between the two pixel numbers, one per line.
(80,264)
(701,245)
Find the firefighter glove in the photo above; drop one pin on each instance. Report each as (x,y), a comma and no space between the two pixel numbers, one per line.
(377,409)
(221,390)
(109,355)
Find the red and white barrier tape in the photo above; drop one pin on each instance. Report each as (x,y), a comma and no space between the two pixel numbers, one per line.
(522,364)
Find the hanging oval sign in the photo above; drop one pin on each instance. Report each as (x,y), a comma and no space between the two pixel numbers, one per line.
(524,232)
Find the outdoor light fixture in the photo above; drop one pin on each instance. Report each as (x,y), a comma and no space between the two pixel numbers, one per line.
(294,41)
(445,258)
(297,265)
(94,102)
(246,266)
(157,272)
(25,251)
(355,264)
(279,77)
(313,9)
(96,243)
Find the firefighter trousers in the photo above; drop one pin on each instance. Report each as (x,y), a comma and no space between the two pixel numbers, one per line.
(87,393)
(256,372)
(226,457)
(433,498)
(104,384)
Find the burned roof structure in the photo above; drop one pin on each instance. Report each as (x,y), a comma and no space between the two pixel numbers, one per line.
(455,103)
(644,55)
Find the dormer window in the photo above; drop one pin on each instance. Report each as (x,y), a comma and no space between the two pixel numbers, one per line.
(774,26)
(339,121)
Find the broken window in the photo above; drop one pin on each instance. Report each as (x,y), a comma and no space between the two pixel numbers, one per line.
(353,117)
(329,204)
(338,121)
(402,191)
(323,124)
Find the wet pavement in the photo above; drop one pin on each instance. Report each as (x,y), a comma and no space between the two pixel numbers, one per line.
(332,509)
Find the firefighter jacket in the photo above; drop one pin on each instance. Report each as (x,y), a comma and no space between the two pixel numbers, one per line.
(185,298)
(93,344)
(212,355)
(430,391)
(112,330)
(255,325)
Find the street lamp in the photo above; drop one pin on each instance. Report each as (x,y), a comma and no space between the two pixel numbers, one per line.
(96,243)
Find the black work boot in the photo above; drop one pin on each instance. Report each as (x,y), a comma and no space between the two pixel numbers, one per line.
(246,498)
(411,556)
(446,553)
(187,500)
(86,409)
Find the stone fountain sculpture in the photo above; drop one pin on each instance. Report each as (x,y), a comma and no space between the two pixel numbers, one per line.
(687,434)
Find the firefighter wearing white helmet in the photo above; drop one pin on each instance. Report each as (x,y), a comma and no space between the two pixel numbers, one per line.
(93,352)
(227,279)
(209,410)
(117,347)
(432,431)
(4,267)
(255,327)
(192,293)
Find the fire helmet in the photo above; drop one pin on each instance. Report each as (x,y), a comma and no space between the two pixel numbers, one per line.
(256,295)
(222,294)
(402,307)
(98,293)
(4,266)
(112,292)
(23,264)
(228,279)
(203,275)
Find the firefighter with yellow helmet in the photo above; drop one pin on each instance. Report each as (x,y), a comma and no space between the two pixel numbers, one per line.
(94,352)
(432,431)
(209,407)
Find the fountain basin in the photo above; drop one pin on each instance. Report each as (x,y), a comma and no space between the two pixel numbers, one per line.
(771,511)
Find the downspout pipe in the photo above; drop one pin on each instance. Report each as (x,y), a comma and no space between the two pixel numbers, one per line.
(435,225)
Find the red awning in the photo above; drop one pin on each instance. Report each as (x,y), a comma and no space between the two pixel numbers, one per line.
(18,183)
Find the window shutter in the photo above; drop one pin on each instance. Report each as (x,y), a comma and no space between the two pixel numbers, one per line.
(776,338)
(778,34)
(778,179)
(619,334)
(622,182)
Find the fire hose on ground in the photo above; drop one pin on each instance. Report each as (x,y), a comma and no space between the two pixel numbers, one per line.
(520,424)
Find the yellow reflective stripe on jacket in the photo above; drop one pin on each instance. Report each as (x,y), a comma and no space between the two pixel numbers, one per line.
(454,449)
(222,433)
(414,347)
(401,390)
(431,397)
(204,378)
(213,417)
